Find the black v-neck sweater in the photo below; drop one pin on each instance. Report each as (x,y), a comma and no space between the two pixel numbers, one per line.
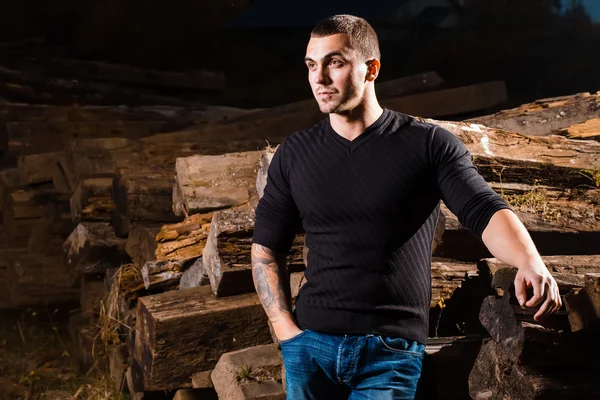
(369,209)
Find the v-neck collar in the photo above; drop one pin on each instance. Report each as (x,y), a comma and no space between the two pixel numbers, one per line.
(352,145)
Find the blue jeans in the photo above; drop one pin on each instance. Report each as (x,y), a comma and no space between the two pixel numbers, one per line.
(329,367)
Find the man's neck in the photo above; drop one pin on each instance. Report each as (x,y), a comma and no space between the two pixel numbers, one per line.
(352,124)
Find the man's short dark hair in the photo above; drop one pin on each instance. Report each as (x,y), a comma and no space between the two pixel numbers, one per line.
(362,35)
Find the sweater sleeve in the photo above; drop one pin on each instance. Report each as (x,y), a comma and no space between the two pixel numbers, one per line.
(462,188)
(277,216)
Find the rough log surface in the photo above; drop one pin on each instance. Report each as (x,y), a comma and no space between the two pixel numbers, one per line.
(92,248)
(143,191)
(545,116)
(141,242)
(208,183)
(226,255)
(182,332)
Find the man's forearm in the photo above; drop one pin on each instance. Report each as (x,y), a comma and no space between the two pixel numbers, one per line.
(272,283)
(508,240)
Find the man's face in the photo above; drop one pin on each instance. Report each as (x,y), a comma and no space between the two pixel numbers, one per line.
(335,73)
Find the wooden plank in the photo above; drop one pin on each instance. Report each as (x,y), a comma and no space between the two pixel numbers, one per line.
(177,333)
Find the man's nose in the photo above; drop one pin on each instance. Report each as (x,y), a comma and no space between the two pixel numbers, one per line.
(321,76)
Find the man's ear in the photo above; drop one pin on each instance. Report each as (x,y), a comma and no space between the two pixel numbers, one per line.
(373,67)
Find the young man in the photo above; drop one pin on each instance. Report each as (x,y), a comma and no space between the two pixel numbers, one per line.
(366,184)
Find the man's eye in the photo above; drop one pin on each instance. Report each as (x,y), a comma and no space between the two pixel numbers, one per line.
(310,65)
(336,62)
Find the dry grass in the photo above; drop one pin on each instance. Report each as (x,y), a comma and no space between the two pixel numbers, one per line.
(534,201)
(36,362)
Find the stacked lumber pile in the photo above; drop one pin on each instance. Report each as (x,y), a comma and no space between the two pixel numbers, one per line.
(144,215)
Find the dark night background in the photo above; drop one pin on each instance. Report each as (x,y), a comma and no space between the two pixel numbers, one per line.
(540,48)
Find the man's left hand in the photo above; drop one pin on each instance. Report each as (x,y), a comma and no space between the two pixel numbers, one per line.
(544,287)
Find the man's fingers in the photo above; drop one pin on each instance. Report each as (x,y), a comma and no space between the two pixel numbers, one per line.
(545,309)
(520,289)
(539,290)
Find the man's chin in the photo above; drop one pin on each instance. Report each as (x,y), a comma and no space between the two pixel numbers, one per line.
(328,108)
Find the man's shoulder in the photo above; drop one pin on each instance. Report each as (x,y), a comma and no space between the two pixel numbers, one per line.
(302,137)
(410,123)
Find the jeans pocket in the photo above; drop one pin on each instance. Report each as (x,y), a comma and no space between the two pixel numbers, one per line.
(400,345)
(293,338)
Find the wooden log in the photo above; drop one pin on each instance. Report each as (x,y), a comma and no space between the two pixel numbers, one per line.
(92,200)
(194,276)
(450,101)
(226,255)
(263,171)
(209,183)
(31,137)
(560,221)
(118,361)
(92,292)
(177,333)
(99,71)
(262,365)
(589,130)
(82,342)
(141,242)
(545,116)
(93,158)
(584,305)
(37,280)
(38,168)
(92,248)
(160,276)
(183,240)
(143,192)
(63,178)
(557,265)
(18,86)
(404,86)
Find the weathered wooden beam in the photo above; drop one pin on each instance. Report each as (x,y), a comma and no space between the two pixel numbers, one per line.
(143,192)
(208,183)
(226,255)
(545,116)
(92,248)
(182,332)
(92,200)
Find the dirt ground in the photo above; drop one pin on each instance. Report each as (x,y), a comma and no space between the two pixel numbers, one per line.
(36,360)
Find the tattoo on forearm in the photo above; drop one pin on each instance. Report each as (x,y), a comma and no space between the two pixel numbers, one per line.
(271,280)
